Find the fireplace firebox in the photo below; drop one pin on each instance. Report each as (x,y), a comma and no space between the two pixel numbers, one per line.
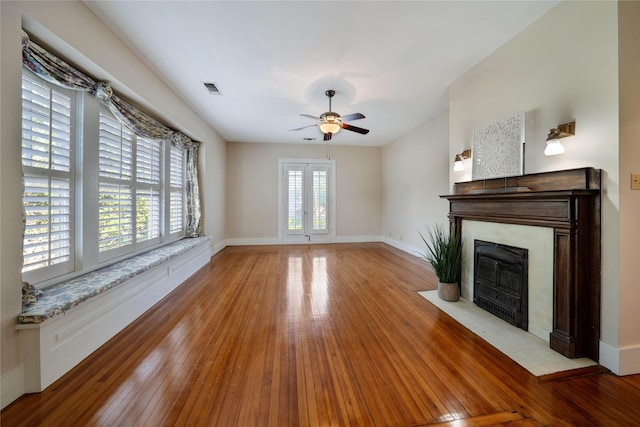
(500,284)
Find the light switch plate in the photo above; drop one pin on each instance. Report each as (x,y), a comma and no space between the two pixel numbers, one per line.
(635,181)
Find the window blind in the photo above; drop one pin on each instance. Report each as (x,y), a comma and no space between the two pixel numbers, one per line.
(47,138)
(115,195)
(147,189)
(294,205)
(176,183)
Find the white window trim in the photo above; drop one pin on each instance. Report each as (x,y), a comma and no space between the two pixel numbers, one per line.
(46,273)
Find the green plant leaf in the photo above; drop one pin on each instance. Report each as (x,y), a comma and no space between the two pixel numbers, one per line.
(443,249)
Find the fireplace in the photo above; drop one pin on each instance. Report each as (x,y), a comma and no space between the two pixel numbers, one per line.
(567,204)
(500,284)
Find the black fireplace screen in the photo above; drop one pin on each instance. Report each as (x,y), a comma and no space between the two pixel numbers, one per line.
(500,283)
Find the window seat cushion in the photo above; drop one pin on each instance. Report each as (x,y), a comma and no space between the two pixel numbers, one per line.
(59,298)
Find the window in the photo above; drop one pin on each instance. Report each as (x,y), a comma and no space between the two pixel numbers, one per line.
(115,189)
(176,182)
(126,191)
(47,156)
(294,207)
(147,190)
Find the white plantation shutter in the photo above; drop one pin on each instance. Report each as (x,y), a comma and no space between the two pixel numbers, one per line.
(47,141)
(319,182)
(137,185)
(147,189)
(295,185)
(148,161)
(115,193)
(46,126)
(47,204)
(116,149)
(115,216)
(176,185)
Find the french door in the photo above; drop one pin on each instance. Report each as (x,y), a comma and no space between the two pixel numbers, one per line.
(307,213)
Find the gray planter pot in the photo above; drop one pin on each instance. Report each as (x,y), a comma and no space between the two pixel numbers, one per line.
(449,291)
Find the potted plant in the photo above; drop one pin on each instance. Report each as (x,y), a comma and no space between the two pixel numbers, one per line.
(443,249)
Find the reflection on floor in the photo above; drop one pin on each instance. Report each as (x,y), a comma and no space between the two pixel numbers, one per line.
(529,351)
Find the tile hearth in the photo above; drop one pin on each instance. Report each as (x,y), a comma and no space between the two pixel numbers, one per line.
(529,351)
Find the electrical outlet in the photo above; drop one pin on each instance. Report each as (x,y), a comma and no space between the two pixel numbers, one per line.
(635,181)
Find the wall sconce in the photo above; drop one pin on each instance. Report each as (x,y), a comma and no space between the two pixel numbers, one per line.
(553,139)
(457,162)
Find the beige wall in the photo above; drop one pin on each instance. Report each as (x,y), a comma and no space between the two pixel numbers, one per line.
(629,292)
(73,31)
(563,67)
(415,171)
(252,189)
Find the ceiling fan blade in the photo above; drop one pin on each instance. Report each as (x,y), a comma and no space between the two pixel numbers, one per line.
(355,129)
(310,116)
(303,127)
(327,137)
(351,117)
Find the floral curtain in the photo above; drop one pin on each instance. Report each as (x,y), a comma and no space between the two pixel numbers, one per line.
(55,70)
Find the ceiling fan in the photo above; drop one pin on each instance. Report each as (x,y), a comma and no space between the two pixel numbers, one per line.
(331,122)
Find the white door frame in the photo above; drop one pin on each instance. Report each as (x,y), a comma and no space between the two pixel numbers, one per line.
(331,199)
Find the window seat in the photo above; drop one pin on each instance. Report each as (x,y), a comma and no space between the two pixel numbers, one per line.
(72,319)
(60,298)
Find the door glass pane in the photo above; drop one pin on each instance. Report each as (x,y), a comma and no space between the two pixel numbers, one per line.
(294,205)
(319,183)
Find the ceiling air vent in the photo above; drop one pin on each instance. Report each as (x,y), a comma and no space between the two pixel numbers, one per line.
(212,88)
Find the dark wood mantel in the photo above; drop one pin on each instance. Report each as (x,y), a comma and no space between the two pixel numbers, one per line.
(569,202)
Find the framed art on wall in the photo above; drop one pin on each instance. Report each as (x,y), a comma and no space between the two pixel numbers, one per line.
(498,149)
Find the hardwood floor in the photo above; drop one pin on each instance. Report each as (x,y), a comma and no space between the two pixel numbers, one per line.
(308,336)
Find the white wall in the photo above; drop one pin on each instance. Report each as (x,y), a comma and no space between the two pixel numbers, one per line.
(629,291)
(252,189)
(70,29)
(415,170)
(563,67)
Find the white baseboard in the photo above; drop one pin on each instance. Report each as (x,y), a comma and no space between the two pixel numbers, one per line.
(621,361)
(403,246)
(12,385)
(357,239)
(253,241)
(630,360)
(217,247)
(609,358)
(257,241)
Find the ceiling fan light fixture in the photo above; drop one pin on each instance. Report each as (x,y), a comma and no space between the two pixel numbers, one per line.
(330,127)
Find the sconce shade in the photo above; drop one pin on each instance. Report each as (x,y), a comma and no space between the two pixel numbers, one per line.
(457,164)
(554,146)
(457,161)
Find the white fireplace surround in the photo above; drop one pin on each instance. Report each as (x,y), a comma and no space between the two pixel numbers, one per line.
(539,242)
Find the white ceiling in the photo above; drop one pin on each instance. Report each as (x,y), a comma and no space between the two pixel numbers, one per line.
(273,60)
